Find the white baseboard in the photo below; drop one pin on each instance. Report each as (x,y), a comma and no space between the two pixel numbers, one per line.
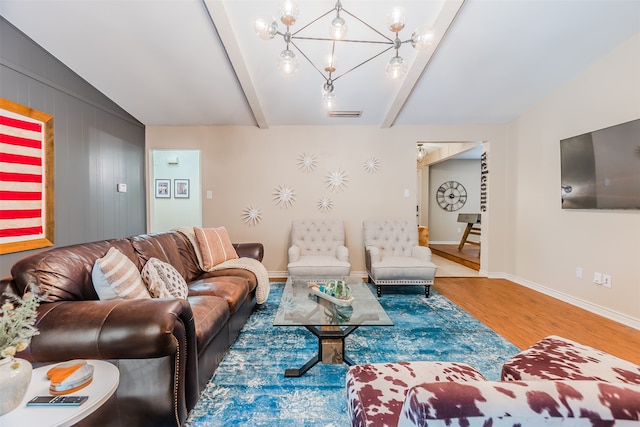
(569,299)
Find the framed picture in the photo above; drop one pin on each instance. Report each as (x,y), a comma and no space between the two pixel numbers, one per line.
(163,188)
(26,178)
(181,189)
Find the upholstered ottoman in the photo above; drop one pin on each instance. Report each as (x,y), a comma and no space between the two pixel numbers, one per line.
(557,358)
(376,391)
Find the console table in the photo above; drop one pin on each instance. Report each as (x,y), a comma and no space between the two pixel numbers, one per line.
(471,229)
(105,381)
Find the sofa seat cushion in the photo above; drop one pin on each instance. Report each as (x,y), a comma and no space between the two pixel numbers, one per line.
(233,289)
(252,281)
(517,403)
(210,316)
(557,358)
(403,268)
(376,391)
(319,266)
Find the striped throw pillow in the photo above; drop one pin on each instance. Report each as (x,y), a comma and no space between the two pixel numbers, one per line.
(215,246)
(116,276)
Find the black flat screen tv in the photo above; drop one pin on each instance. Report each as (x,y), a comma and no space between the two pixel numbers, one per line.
(601,169)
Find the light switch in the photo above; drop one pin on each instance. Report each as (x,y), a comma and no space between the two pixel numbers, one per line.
(209,194)
(406,192)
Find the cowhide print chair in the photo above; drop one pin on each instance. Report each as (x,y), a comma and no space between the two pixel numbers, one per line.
(554,382)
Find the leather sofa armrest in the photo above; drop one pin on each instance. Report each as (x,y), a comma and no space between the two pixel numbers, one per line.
(342,253)
(250,250)
(113,329)
(294,253)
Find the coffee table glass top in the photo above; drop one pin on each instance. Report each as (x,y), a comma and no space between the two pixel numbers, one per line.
(300,307)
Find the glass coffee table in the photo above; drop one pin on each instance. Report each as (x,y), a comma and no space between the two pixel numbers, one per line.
(331,323)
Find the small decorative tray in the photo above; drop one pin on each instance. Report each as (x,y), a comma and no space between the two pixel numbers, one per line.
(337,301)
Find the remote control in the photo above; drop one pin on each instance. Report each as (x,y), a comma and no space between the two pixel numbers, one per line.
(57,401)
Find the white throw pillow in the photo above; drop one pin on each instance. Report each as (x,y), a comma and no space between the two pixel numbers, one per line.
(163,280)
(116,276)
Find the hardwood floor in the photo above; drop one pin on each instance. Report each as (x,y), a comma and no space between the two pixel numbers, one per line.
(524,316)
(469,256)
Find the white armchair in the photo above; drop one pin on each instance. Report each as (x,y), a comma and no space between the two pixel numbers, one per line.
(393,256)
(318,250)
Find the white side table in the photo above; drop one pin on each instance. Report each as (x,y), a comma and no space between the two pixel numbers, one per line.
(105,382)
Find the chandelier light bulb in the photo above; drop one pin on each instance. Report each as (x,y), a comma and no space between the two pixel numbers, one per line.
(288,62)
(330,63)
(288,12)
(328,96)
(422,37)
(338,28)
(396,19)
(266,28)
(396,67)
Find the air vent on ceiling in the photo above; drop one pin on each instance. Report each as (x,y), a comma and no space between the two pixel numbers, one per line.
(345,114)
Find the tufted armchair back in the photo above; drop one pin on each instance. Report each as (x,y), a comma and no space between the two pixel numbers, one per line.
(317,237)
(392,237)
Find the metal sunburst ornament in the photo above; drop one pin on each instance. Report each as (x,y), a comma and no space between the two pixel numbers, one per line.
(307,162)
(251,215)
(372,164)
(336,180)
(325,204)
(284,196)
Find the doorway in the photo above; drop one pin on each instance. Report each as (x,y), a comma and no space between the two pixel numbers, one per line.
(175,197)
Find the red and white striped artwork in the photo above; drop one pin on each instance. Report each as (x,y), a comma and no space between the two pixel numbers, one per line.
(23,210)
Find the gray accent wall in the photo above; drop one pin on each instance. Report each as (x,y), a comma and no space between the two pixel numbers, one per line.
(96,143)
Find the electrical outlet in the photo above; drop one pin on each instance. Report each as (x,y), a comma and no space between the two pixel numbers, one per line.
(597,278)
(579,272)
(606,280)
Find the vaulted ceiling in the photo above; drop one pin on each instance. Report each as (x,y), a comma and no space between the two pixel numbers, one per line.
(199,62)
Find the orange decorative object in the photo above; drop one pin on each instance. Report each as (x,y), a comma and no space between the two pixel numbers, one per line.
(68,377)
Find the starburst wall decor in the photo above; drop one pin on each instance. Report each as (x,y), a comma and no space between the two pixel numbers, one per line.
(336,180)
(307,162)
(284,196)
(372,164)
(251,215)
(325,204)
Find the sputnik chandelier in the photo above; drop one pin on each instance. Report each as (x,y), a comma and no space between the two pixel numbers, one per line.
(267,29)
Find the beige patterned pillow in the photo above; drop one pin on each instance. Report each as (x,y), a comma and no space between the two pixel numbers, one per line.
(215,246)
(116,276)
(163,280)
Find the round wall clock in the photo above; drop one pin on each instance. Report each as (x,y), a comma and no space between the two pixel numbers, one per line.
(451,196)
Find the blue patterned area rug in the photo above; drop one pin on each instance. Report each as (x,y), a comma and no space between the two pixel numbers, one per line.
(249,387)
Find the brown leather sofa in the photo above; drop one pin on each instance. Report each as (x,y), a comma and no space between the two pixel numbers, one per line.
(166,349)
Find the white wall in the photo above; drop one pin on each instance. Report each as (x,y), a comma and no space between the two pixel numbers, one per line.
(546,243)
(243,166)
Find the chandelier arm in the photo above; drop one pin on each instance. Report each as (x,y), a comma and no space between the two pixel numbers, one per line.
(322,39)
(309,61)
(315,20)
(362,63)
(364,23)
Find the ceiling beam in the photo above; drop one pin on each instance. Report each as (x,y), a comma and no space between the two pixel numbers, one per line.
(220,20)
(445,18)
